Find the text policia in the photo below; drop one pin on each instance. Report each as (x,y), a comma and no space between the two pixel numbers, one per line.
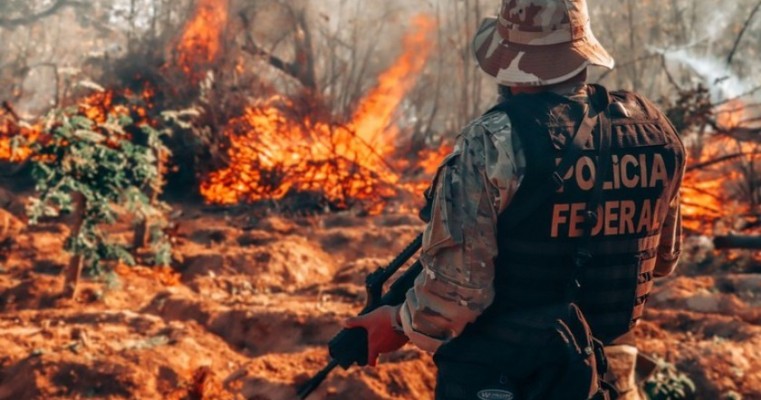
(630,174)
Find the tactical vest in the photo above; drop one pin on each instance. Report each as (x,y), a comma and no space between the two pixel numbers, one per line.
(535,265)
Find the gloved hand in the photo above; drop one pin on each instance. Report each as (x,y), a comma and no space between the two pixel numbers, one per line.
(381,335)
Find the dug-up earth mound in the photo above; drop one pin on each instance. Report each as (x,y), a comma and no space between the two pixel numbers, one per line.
(249,305)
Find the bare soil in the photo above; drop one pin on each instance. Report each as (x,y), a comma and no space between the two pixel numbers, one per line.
(250,304)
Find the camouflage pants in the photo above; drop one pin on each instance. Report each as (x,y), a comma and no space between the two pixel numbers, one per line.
(622,361)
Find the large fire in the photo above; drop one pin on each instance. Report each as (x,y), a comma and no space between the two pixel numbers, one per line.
(713,192)
(719,193)
(273,152)
(279,146)
(201,42)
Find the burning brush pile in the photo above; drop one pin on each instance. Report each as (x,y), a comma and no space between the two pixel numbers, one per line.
(721,191)
(280,146)
(277,148)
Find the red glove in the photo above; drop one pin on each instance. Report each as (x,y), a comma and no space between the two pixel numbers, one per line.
(381,335)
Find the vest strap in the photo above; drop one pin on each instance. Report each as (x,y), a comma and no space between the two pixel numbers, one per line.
(644,288)
(639,310)
(648,265)
(555,181)
(583,254)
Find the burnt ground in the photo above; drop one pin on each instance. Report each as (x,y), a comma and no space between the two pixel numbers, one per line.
(251,302)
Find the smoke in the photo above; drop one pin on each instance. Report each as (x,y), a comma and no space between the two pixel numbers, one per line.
(703,55)
(719,78)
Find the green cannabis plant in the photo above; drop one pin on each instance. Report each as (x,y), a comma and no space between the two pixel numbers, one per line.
(90,169)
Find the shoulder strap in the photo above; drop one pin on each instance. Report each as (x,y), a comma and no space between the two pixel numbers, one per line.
(556,180)
(591,217)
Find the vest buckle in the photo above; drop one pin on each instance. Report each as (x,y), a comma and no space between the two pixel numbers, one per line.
(590,219)
(558,180)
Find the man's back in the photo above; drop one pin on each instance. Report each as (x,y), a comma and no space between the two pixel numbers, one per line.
(485,277)
(632,240)
(639,178)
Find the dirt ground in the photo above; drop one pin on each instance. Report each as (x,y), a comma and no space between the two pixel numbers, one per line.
(251,302)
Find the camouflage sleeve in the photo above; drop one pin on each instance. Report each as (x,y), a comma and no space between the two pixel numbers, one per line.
(670,246)
(472,187)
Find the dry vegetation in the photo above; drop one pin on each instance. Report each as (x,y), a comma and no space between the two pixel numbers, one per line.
(301,136)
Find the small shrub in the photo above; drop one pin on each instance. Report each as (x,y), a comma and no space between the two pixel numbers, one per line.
(84,167)
(667,383)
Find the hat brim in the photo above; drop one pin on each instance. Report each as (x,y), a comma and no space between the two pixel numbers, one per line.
(523,65)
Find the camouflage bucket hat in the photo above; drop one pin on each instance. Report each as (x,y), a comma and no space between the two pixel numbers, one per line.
(538,42)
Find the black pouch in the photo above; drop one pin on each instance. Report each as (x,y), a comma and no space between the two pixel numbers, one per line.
(467,381)
(547,353)
(576,377)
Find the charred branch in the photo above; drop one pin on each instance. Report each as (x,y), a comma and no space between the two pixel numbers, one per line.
(740,133)
(737,242)
(8,107)
(305,62)
(302,69)
(30,19)
(703,207)
(669,75)
(742,33)
(719,160)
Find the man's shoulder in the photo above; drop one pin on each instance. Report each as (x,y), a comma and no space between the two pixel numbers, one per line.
(488,141)
(494,123)
(635,105)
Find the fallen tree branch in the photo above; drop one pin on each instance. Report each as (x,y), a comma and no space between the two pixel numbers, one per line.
(719,160)
(743,134)
(737,242)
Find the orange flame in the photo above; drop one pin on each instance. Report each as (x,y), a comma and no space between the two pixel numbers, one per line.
(373,118)
(719,192)
(11,129)
(201,42)
(273,153)
(430,161)
(730,115)
(97,107)
(714,196)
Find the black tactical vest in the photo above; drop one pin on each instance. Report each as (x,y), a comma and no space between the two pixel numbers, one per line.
(535,265)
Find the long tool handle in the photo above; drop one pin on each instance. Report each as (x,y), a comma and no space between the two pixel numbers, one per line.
(309,386)
(403,257)
(349,346)
(374,282)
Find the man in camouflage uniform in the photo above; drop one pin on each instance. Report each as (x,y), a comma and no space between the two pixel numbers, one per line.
(475,268)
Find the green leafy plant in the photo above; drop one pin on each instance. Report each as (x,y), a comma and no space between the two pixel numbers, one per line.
(84,168)
(667,383)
